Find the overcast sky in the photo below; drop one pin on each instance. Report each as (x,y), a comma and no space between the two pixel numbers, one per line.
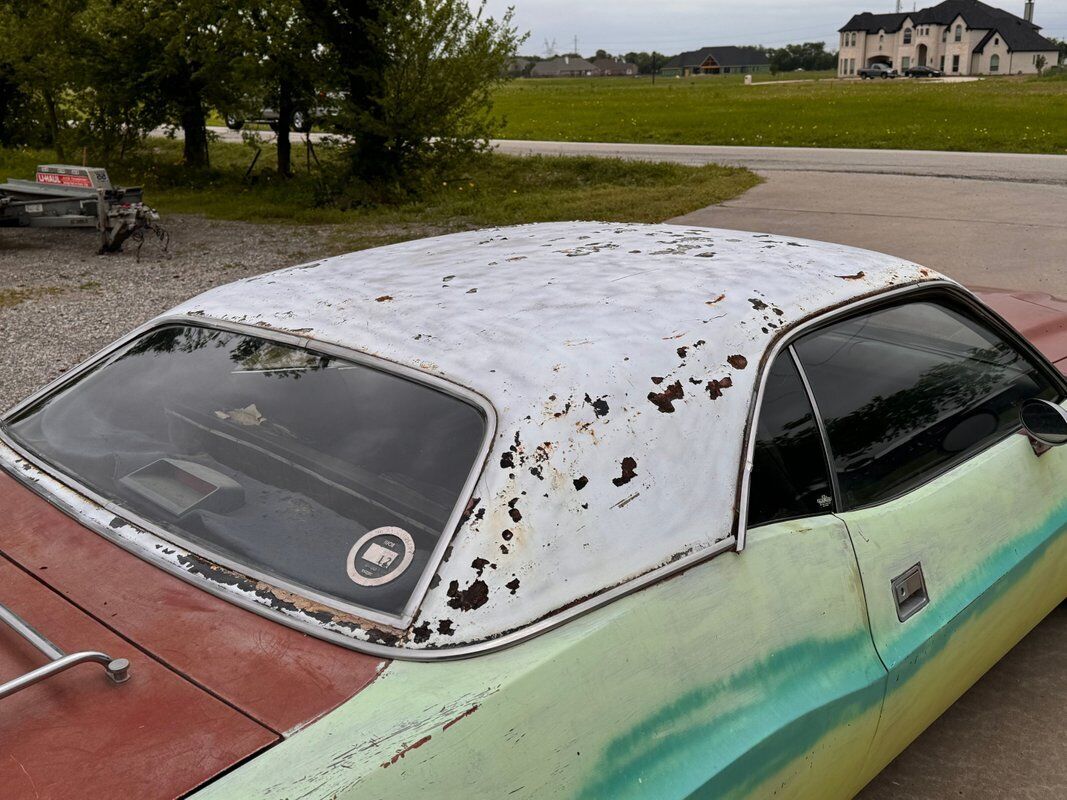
(671,26)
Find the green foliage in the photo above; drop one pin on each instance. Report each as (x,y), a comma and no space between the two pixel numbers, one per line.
(809,56)
(647,63)
(996,115)
(419,80)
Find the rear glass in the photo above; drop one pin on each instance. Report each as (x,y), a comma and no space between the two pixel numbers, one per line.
(330,475)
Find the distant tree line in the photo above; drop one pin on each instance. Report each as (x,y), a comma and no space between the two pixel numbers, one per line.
(809,56)
(407,81)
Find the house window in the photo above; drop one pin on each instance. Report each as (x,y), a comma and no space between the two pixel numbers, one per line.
(942,63)
(959,33)
(994,63)
(853,38)
(955,63)
(996,40)
(852,66)
(944,35)
(907,36)
(905,62)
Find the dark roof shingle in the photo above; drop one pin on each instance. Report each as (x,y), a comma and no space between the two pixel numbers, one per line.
(724,56)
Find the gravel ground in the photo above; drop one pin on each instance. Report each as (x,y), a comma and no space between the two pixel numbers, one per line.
(60,302)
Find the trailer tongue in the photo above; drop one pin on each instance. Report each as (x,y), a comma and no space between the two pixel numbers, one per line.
(77,197)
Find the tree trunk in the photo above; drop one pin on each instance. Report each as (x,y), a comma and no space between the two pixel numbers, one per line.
(285,122)
(194,127)
(53,124)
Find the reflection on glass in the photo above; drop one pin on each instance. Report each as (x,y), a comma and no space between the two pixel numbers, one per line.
(789,471)
(292,463)
(909,390)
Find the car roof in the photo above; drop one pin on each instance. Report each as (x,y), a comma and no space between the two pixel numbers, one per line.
(622,363)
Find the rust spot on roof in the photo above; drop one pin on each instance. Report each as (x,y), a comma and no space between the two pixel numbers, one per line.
(757,304)
(664,400)
(474,596)
(513,585)
(715,387)
(858,276)
(737,361)
(444,627)
(629,471)
(718,299)
(580,483)
(385,298)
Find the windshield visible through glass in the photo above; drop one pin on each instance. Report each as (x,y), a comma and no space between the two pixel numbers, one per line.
(331,475)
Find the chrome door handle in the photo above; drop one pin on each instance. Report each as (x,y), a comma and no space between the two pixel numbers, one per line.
(909,592)
(117,669)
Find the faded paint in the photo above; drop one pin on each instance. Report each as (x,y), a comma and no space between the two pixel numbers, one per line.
(566,312)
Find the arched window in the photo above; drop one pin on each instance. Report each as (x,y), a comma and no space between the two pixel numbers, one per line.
(994,63)
(959,33)
(907,36)
(853,38)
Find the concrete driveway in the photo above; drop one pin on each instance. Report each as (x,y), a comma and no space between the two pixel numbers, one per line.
(981,232)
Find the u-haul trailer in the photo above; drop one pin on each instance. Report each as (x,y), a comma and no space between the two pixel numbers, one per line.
(64,196)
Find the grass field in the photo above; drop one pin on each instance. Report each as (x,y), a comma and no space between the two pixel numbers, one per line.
(495,190)
(995,115)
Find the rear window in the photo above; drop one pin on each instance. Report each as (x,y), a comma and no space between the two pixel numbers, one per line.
(326,475)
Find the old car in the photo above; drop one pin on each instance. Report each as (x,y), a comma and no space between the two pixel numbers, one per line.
(565,510)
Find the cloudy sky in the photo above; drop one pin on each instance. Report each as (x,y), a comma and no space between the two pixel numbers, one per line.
(671,26)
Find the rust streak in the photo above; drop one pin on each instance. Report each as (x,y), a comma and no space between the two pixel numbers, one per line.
(406,750)
(464,715)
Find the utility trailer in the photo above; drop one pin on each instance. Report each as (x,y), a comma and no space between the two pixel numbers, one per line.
(65,196)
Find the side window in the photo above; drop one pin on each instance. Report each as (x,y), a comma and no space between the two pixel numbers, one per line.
(907,391)
(790,477)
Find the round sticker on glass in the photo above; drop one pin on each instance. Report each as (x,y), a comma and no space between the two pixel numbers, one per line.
(380,556)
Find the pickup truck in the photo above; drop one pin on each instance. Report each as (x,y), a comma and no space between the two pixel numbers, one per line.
(877,71)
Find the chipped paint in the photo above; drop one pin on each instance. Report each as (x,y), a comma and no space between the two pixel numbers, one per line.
(568,312)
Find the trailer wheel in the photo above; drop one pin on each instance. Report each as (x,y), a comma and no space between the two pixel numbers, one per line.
(302,122)
(234,123)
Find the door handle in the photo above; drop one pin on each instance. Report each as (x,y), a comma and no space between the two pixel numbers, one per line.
(909,592)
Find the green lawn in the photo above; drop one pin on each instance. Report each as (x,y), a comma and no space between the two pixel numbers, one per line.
(995,115)
(495,190)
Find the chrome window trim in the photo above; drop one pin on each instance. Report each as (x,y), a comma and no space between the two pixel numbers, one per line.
(940,288)
(820,424)
(115,350)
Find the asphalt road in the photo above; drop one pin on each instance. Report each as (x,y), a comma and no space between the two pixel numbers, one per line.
(1001,167)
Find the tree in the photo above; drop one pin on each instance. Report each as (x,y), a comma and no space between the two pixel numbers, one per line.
(40,41)
(418,76)
(810,56)
(286,66)
(197,50)
(646,63)
(1040,62)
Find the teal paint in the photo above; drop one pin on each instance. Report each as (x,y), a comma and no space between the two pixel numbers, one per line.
(679,746)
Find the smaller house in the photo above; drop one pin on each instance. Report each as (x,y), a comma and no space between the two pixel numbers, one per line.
(563,67)
(611,67)
(519,66)
(717,61)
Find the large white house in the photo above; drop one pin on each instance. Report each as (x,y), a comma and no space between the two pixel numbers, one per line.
(959,37)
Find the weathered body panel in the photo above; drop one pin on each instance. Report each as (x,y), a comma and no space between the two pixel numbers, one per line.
(992,539)
(663,694)
(1039,317)
(279,677)
(77,735)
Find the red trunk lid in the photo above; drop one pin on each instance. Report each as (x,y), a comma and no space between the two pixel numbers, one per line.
(211,684)
(1039,317)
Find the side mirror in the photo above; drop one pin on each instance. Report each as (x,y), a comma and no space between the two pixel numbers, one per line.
(1044,421)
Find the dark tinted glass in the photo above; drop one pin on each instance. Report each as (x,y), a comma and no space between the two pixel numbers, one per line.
(907,391)
(789,473)
(329,474)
